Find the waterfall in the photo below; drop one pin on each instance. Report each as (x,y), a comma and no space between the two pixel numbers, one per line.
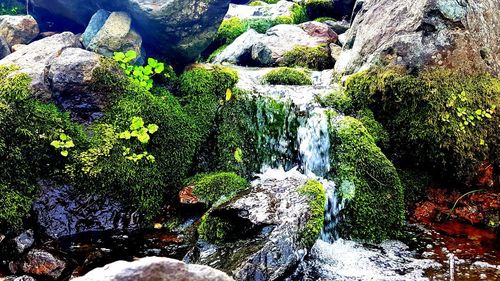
(314,144)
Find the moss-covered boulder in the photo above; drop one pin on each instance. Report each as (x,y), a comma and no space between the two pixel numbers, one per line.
(366,180)
(287,76)
(27,129)
(439,120)
(280,217)
(215,187)
(317,58)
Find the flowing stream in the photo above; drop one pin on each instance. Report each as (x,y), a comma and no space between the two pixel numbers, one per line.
(425,257)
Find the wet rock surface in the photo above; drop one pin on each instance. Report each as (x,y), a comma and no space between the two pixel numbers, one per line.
(42,264)
(174,29)
(266,245)
(424,33)
(60,211)
(154,268)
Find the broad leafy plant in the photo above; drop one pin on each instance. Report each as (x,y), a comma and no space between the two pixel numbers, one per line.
(63,144)
(142,132)
(141,74)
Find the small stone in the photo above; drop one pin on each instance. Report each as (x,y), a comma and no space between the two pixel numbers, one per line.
(483,276)
(24,241)
(43,264)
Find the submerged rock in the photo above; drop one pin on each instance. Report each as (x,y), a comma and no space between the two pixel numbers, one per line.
(60,211)
(154,268)
(455,34)
(42,264)
(18,29)
(262,233)
(179,29)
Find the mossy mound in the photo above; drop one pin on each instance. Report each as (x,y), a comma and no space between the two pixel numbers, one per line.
(319,8)
(27,128)
(443,121)
(367,180)
(201,90)
(110,165)
(317,58)
(232,145)
(312,229)
(214,187)
(287,76)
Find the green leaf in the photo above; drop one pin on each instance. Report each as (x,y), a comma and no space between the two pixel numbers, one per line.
(143,136)
(64,153)
(125,135)
(152,128)
(152,62)
(136,123)
(487,115)
(118,56)
(63,137)
(229,94)
(159,68)
(150,158)
(238,155)
(148,70)
(70,144)
(56,144)
(131,55)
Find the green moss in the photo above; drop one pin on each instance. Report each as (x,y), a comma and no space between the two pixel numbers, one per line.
(256,3)
(27,127)
(216,52)
(368,180)
(11,7)
(436,119)
(415,184)
(214,229)
(142,185)
(267,1)
(308,57)
(261,25)
(337,100)
(283,20)
(324,19)
(298,13)
(235,130)
(230,29)
(213,187)
(201,90)
(319,8)
(375,129)
(315,191)
(287,76)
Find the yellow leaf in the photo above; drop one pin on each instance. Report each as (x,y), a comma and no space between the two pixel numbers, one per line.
(158,226)
(229,94)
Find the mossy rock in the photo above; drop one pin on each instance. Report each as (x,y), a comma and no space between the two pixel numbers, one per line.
(142,184)
(230,29)
(312,230)
(287,76)
(202,88)
(216,187)
(443,121)
(317,58)
(367,180)
(27,128)
(232,145)
(319,8)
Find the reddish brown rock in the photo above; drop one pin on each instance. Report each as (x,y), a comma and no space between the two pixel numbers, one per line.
(43,264)
(186,196)
(320,30)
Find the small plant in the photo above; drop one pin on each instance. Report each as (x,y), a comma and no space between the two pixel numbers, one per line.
(141,74)
(287,76)
(142,133)
(63,144)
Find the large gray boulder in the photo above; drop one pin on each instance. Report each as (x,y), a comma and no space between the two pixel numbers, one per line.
(177,29)
(154,269)
(36,58)
(18,29)
(419,34)
(263,229)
